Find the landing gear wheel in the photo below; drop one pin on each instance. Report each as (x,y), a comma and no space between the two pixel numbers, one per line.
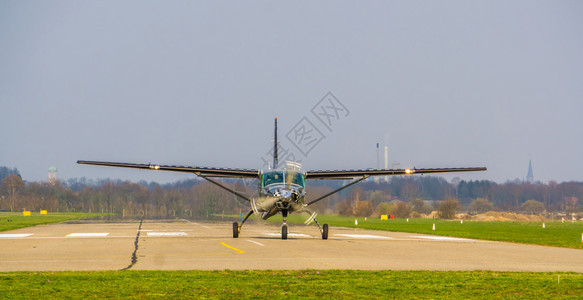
(325,231)
(284,232)
(235,230)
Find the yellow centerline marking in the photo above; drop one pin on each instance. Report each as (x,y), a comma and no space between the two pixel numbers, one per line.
(231,247)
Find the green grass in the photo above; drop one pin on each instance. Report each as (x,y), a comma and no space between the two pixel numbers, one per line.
(11,221)
(289,284)
(555,234)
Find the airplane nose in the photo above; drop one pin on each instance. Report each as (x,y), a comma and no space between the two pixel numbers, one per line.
(286,193)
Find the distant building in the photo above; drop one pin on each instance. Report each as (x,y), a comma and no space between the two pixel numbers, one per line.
(571,203)
(530,175)
(52,175)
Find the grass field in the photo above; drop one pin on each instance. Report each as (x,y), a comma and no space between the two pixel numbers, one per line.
(11,221)
(289,284)
(554,234)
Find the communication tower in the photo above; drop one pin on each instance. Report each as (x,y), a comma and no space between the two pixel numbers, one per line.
(386,162)
(378,157)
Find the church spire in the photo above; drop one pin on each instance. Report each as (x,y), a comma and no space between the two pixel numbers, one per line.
(530,175)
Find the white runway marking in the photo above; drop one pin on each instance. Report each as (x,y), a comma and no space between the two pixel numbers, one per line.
(365,236)
(294,235)
(68,237)
(88,234)
(181,233)
(205,227)
(254,242)
(442,238)
(14,235)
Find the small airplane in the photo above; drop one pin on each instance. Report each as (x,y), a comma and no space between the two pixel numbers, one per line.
(280,190)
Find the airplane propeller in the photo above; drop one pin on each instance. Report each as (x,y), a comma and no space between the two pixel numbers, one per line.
(262,204)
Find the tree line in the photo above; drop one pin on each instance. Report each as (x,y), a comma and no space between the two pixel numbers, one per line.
(402,196)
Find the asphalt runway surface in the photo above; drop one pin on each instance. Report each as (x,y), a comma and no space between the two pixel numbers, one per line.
(185,245)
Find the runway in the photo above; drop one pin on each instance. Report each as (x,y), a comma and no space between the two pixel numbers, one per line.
(184,245)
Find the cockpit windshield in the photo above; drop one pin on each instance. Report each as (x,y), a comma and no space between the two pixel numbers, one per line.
(280,177)
(294,178)
(272,177)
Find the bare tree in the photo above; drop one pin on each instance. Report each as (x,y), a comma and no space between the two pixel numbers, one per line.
(447,208)
(384,208)
(420,206)
(355,197)
(410,191)
(403,210)
(363,209)
(481,205)
(376,197)
(10,186)
(533,207)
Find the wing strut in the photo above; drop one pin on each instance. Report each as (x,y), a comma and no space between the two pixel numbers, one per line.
(226,188)
(339,189)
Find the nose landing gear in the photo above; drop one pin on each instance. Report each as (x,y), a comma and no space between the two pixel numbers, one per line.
(284,226)
(284,232)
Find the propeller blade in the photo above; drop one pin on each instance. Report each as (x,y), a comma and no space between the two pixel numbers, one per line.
(262,204)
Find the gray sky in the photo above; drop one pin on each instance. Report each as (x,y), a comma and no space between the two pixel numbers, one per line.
(441,83)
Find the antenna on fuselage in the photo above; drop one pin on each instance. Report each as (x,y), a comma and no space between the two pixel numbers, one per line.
(275,163)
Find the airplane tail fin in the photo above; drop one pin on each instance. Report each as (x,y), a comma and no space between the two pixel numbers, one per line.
(275,158)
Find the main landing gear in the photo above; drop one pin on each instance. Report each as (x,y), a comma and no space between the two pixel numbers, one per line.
(325,232)
(323,228)
(284,230)
(237,227)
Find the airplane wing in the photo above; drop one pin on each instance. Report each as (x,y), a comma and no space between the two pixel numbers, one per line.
(350,174)
(200,171)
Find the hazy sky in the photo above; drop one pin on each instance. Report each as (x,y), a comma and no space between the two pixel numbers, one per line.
(441,83)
